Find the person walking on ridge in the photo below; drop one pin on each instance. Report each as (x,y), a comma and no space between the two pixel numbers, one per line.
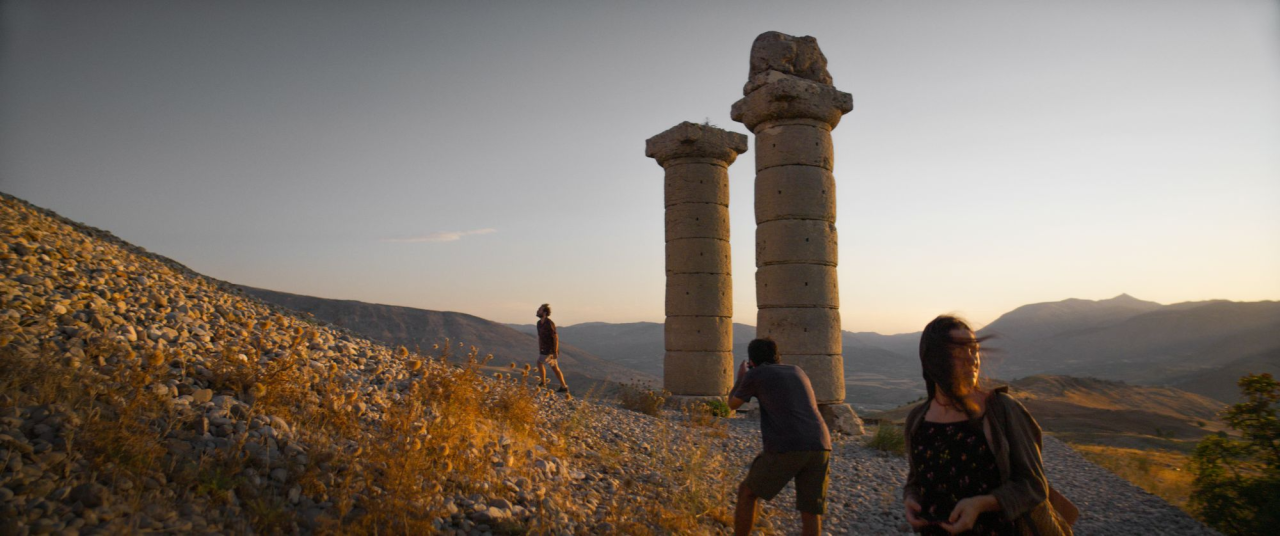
(549,349)
(796,441)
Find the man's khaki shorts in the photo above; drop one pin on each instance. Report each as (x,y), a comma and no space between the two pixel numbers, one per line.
(771,471)
(547,359)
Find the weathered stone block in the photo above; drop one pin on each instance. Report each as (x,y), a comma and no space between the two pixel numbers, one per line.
(784,97)
(841,419)
(691,140)
(698,373)
(699,334)
(826,374)
(699,255)
(697,220)
(801,330)
(796,56)
(808,241)
(794,144)
(697,183)
(797,285)
(699,295)
(795,192)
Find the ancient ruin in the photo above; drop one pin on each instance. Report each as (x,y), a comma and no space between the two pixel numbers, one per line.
(699,325)
(791,107)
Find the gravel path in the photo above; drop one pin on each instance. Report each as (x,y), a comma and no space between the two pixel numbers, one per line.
(865,493)
(1110,504)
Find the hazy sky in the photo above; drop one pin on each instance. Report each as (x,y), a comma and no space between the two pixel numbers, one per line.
(486,157)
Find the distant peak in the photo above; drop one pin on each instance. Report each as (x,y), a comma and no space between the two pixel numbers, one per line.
(1126,298)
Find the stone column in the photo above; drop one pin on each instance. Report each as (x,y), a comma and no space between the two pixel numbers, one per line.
(699,327)
(791,107)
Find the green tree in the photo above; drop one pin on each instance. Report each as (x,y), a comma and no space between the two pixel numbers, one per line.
(1237,485)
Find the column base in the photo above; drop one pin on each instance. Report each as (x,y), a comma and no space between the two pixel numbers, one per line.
(681,400)
(684,401)
(841,419)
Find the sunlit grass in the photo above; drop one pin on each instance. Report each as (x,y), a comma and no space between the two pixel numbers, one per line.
(888,438)
(1162,473)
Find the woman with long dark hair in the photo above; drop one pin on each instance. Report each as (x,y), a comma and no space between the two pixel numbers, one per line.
(973,452)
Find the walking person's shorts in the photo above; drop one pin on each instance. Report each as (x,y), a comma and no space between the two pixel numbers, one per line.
(771,471)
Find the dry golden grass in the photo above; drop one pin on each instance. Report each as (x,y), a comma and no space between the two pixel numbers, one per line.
(440,437)
(1162,473)
(642,399)
(118,430)
(689,488)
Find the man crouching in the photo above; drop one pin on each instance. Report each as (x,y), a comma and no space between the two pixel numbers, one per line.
(796,442)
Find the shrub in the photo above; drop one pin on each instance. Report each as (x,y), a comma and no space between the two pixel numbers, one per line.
(1237,484)
(639,398)
(718,408)
(888,438)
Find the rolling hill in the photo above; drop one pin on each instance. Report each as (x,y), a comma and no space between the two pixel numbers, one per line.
(421,328)
(1104,412)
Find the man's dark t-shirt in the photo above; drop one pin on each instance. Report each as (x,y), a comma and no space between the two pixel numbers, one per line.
(546,336)
(789,419)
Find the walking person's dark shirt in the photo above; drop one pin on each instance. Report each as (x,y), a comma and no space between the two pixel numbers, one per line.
(546,336)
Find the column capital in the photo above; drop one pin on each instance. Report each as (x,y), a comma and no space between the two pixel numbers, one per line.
(692,140)
(778,96)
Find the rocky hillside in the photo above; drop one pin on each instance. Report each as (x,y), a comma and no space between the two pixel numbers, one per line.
(138,396)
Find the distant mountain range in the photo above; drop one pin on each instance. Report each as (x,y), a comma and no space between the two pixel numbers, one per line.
(1200,347)
(1190,345)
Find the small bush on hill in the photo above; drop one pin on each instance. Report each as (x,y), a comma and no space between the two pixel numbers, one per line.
(639,398)
(718,408)
(1238,480)
(888,438)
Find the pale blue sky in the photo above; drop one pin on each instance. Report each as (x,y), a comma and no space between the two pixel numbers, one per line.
(999,153)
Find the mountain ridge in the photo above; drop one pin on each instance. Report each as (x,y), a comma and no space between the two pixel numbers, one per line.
(1187,342)
(412,327)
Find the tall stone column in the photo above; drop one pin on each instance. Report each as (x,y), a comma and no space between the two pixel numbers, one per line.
(792,107)
(699,327)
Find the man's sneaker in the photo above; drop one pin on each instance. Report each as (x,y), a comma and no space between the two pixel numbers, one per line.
(563,389)
(542,384)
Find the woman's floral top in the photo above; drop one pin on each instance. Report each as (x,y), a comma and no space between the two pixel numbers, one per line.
(955,463)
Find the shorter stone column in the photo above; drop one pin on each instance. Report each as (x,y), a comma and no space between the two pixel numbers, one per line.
(699,304)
